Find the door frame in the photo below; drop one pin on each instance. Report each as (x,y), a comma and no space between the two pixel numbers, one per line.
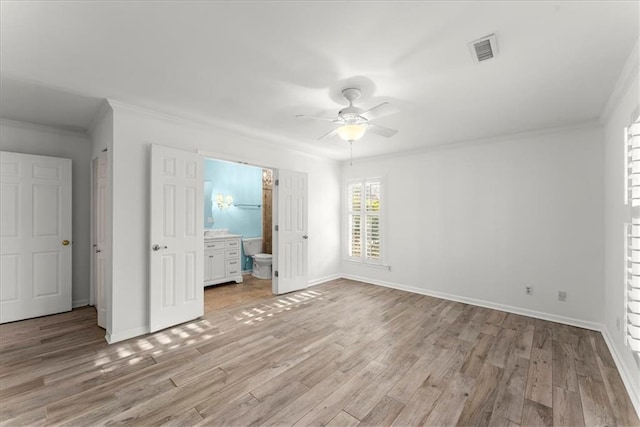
(107,252)
(93,300)
(274,205)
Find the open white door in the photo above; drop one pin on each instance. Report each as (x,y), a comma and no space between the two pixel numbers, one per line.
(35,236)
(99,210)
(176,261)
(290,263)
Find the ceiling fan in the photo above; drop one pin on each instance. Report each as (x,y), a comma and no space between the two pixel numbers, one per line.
(354,121)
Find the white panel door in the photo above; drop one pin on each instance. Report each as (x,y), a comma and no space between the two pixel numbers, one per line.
(291,258)
(35,236)
(100,183)
(177,242)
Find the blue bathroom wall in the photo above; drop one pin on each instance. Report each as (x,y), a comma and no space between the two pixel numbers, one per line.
(244,184)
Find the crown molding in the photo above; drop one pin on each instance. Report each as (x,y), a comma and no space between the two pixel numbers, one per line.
(591,124)
(276,141)
(43,128)
(628,74)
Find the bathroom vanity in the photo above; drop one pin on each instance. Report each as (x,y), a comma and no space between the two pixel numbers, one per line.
(222,259)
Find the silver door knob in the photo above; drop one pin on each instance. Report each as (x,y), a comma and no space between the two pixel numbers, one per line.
(305,237)
(158,247)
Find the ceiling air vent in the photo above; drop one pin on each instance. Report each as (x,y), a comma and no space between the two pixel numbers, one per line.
(484,48)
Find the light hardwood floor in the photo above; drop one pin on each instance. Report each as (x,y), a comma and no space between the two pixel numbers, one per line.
(232,294)
(339,354)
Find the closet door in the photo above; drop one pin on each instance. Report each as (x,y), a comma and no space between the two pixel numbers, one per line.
(35,236)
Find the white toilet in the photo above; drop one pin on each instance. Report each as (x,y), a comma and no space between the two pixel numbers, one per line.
(261,262)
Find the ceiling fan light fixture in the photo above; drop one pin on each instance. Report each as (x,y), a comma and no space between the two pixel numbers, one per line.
(352,132)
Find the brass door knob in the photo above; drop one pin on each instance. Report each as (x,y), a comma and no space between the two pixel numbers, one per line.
(65,243)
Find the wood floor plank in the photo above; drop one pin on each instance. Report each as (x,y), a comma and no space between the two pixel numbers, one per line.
(301,406)
(361,403)
(585,357)
(510,398)
(343,420)
(567,408)
(536,414)
(476,359)
(450,404)
(269,406)
(383,414)
(564,367)
(418,407)
(328,408)
(427,365)
(539,381)
(595,403)
(524,342)
(621,405)
(502,347)
(339,353)
(478,408)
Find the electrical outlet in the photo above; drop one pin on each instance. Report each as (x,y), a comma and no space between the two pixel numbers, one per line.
(562,296)
(528,290)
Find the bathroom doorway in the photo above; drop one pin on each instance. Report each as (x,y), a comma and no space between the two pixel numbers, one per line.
(239,205)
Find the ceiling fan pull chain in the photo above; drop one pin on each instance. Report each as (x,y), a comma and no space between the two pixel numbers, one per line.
(350,153)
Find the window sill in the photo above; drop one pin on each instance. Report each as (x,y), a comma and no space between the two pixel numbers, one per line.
(369,264)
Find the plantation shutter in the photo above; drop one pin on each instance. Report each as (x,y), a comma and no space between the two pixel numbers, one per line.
(364,220)
(372,215)
(632,197)
(355,219)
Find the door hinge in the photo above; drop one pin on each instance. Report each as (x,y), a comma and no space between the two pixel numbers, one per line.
(277,182)
(277,228)
(275,273)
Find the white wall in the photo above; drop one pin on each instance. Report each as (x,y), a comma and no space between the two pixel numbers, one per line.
(134,132)
(43,141)
(616,213)
(478,222)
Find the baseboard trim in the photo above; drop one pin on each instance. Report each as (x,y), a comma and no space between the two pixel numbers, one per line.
(125,335)
(482,303)
(634,394)
(324,279)
(79,303)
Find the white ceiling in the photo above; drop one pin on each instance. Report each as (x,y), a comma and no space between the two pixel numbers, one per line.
(255,65)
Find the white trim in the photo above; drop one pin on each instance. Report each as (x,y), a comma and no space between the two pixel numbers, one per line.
(634,394)
(125,335)
(627,75)
(79,303)
(481,303)
(590,124)
(271,139)
(322,280)
(368,264)
(44,128)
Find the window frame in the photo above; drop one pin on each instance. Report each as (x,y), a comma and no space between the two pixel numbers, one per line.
(380,213)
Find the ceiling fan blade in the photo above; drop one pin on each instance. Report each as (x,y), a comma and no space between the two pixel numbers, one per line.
(333,132)
(379,110)
(328,119)
(381,130)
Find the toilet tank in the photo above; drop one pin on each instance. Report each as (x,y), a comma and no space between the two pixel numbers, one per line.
(252,245)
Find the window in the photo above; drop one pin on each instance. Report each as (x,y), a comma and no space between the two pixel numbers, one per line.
(364,220)
(632,237)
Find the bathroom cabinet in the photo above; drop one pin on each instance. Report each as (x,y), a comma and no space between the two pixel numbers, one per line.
(222,260)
